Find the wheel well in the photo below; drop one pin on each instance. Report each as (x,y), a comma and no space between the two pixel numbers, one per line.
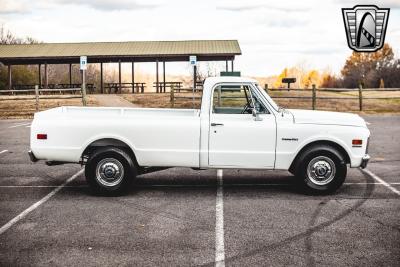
(339,148)
(109,142)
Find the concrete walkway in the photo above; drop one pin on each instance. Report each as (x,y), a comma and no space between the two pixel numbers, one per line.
(113,101)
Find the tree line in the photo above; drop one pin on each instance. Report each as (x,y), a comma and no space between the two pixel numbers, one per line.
(371,70)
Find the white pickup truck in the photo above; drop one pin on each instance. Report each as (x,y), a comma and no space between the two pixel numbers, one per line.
(238,126)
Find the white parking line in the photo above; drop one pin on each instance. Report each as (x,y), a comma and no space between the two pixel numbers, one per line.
(19,125)
(219,223)
(380,180)
(37,204)
(3,151)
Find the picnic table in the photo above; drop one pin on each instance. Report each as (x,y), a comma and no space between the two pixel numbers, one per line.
(117,87)
(162,88)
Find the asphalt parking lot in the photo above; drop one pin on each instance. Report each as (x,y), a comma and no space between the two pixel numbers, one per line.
(182,217)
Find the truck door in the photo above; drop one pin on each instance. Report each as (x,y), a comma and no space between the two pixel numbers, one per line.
(236,137)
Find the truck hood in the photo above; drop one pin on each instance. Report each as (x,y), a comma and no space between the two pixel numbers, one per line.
(327,118)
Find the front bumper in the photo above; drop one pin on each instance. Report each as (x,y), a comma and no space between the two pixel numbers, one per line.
(364,161)
(32,156)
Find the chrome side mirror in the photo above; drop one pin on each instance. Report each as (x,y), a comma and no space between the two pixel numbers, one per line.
(256,115)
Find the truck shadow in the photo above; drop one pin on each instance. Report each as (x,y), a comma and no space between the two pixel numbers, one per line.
(181,179)
(252,184)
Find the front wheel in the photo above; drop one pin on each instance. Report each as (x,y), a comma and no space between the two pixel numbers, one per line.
(110,171)
(321,170)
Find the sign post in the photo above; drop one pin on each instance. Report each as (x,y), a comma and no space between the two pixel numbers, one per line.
(83,67)
(193,62)
(288,81)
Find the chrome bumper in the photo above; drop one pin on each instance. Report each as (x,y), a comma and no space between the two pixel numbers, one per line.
(32,156)
(364,161)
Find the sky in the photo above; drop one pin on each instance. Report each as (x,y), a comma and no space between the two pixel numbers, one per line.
(272,34)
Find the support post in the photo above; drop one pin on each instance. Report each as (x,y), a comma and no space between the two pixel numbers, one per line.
(266,87)
(172,95)
(360,97)
(37,97)
(101,78)
(70,75)
(194,81)
(232,65)
(119,77)
(133,77)
(164,90)
(83,87)
(157,85)
(46,77)
(40,75)
(194,77)
(226,65)
(9,83)
(314,97)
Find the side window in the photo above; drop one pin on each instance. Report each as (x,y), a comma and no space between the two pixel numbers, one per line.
(235,99)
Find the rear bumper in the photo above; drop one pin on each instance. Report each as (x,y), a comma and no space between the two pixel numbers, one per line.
(32,156)
(364,161)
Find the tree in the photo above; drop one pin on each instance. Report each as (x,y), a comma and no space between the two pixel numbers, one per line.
(331,81)
(20,74)
(312,77)
(278,81)
(367,68)
(57,73)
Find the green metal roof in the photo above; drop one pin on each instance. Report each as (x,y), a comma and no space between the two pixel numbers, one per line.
(101,51)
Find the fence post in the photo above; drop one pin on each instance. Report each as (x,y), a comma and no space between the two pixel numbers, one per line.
(314,97)
(360,97)
(37,97)
(266,87)
(172,96)
(83,89)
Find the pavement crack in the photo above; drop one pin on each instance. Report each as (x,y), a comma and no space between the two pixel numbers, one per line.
(308,240)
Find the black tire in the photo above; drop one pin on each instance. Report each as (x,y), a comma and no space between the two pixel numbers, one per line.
(317,160)
(117,171)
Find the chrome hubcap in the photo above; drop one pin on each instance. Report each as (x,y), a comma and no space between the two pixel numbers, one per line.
(109,172)
(321,170)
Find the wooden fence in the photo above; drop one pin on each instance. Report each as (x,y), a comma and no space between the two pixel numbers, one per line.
(188,91)
(39,94)
(314,94)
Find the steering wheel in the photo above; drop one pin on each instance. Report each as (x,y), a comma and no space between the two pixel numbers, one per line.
(246,109)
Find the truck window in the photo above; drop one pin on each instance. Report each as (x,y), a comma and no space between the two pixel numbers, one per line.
(235,99)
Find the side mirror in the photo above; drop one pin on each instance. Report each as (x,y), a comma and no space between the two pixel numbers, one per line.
(256,115)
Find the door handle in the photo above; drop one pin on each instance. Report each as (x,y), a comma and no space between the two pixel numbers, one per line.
(217,124)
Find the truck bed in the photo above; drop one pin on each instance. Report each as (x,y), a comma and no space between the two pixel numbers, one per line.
(158,137)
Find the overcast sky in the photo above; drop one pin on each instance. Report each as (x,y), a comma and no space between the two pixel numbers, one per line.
(271,34)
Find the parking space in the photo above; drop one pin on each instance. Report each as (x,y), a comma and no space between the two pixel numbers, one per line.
(180,216)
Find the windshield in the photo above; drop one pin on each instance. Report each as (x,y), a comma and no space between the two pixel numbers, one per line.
(269,99)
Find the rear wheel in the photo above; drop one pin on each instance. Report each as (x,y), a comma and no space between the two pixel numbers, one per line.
(110,171)
(321,169)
